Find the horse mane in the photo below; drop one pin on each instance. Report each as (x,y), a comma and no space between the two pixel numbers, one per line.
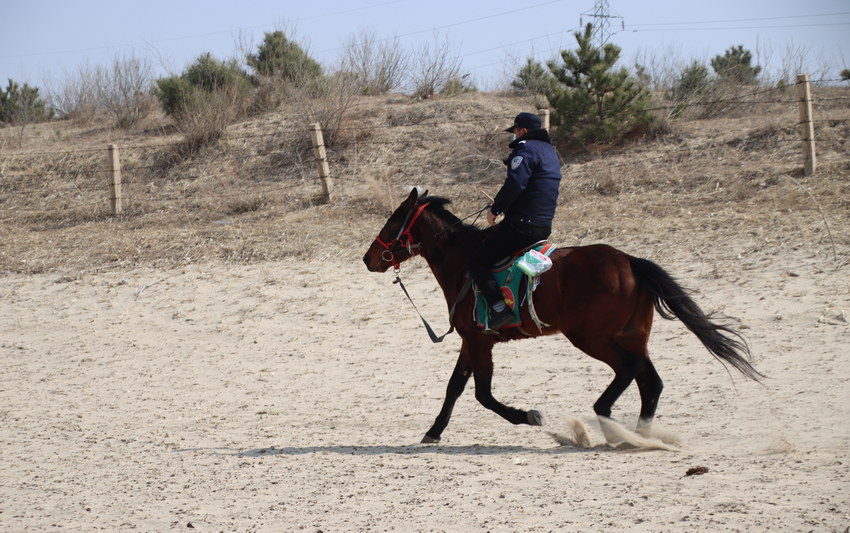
(437,206)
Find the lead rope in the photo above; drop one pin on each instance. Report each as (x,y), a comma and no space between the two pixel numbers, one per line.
(434,338)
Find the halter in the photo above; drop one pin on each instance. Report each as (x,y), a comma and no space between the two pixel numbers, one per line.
(404,238)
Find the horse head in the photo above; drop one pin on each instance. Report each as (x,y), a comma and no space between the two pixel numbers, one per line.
(394,243)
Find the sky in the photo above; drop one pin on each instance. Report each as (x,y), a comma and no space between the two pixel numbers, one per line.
(42,40)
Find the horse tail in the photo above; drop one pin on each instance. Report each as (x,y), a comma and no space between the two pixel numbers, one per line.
(672,301)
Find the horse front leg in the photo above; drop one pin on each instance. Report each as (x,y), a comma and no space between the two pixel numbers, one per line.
(454,389)
(481,358)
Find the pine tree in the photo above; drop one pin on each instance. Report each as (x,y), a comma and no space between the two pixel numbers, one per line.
(694,82)
(21,104)
(734,66)
(206,75)
(533,77)
(593,102)
(279,57)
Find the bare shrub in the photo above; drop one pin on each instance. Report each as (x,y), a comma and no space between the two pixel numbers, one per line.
(378,66)
(247,204)
(328,100)
(123,89)
(269,94)
(717,99)
(660,69)
(796,59)
(435,64)
(205,115)
(75,98)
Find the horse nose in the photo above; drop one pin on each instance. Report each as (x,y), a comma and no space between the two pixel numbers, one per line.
(366,261)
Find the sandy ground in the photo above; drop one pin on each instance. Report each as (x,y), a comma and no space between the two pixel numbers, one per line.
(287,396)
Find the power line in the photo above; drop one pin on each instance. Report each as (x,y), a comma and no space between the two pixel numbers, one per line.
(784,26)
(453,24)
(207,34)
(737,20)
(515,43)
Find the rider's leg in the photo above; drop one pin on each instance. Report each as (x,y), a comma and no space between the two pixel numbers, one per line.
(500,243)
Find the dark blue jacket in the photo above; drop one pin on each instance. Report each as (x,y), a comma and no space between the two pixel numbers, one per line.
(530,191)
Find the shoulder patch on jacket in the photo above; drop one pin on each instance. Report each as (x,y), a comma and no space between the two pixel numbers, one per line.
(515,162)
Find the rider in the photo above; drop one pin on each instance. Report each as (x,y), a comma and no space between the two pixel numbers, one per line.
(527,199)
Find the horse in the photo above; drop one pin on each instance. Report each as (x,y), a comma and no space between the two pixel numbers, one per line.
(600,298)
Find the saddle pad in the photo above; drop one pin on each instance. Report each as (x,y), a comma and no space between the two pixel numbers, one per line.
(514,285)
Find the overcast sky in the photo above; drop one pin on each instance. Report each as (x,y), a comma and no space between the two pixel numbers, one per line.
(41,39)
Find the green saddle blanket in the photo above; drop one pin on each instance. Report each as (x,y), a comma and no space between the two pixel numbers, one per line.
(516,287)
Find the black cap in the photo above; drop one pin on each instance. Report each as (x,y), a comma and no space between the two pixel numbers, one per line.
(529,121)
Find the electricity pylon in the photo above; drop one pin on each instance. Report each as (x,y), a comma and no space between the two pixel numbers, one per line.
(602,17)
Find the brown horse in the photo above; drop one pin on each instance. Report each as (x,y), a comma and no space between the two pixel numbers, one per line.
(599,297)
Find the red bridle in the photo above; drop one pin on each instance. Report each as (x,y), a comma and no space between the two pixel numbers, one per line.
(404,238)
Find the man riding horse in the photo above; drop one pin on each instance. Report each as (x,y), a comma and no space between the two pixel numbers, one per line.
(527,199)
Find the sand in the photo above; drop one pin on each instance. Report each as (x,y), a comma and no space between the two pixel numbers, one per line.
(292,396)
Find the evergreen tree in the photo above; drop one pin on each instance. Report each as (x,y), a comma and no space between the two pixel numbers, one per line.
(209,73)
(693,81)
(734,66)
(533,77)
(206,75)
(845,74)
(279,57)
(21,104)
(593,102)
(458,85)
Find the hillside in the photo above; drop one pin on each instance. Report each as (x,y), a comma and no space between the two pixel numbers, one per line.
(218,358)
(731,186)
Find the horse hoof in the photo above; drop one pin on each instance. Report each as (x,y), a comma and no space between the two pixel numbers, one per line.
(429,440)
(535,418)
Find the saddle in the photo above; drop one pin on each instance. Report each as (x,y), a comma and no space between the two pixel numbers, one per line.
(516,285)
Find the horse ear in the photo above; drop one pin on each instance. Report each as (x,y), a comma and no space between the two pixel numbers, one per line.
(414,195)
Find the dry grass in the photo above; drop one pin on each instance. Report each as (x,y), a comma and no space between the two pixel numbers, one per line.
(722,184)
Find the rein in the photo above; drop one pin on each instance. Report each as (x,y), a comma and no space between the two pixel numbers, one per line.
(434,338)
(405,239)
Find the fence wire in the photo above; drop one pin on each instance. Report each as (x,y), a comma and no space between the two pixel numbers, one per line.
(48,190)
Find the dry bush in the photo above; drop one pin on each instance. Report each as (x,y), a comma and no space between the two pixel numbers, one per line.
(123,89)
(76,96)
(380,198)
(792,59)
(378,66)
(412,116)
(720,99)
(435,65)
(269,95)
(660,69)
(247,204)
(205,116)
(328,100)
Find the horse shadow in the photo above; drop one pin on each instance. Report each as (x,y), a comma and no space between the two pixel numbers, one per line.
(407,449)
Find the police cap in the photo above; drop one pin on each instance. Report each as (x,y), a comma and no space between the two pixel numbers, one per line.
(529,121)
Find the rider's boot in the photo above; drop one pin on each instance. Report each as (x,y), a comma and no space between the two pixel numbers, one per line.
(500,315)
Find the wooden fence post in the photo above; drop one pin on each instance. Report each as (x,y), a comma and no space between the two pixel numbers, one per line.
(544,117)
(321,160)
(116,194)
(807,127)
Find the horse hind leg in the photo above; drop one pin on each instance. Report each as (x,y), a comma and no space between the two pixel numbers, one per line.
(650,386)
(626,366)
